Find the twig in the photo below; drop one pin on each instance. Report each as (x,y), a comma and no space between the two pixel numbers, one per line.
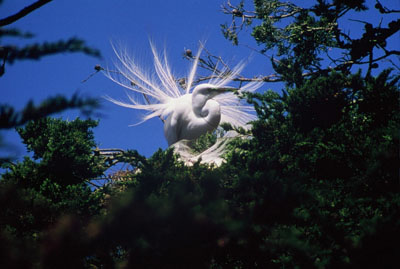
(109,151)
(93,184)
(395,65)
(23,12)
(385,10)
(3,51)
(98,68)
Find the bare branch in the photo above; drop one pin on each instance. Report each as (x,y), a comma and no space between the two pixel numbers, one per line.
(23,12)
(237,12)
(395,65)
(98,68)
(387,54)
(93,184)
(112,156)
(210,62)
(384,10)
(108,152)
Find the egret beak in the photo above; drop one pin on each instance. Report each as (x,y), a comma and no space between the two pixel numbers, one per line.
(217,91)
(226,89)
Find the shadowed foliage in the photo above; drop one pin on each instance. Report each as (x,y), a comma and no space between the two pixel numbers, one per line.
(315,187)
(9,54)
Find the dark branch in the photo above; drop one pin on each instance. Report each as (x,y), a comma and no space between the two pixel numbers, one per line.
(15,33)
(9,118)
(384,10)
(37,51)
(23,12)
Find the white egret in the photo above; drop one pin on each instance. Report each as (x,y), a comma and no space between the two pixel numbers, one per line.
(187,112)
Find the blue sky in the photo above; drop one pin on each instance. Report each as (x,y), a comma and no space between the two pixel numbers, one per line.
(175,25)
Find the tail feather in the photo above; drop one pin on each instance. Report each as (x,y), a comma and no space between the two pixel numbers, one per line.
(164,74)
(133,78)
(193,70)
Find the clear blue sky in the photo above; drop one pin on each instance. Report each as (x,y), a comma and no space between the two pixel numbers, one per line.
(172,24)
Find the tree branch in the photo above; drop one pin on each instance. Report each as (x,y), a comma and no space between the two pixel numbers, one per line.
(23,12)
(384,10)
(9,118)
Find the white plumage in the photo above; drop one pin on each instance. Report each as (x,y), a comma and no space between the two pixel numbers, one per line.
(187,113)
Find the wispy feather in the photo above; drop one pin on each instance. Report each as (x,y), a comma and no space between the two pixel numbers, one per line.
(157,92)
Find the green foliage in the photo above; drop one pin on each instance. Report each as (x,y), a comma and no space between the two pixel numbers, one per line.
(37,51)
(171,214)
(205,141)
(332,167)
(318,103)
(9,53)
(300,37)
(315,187)
(303,192)
(317,194)
(64,149)
(36,193)
(230,32)
(9,118)
(15,33)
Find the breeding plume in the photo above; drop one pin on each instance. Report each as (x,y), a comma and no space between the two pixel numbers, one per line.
(187,112)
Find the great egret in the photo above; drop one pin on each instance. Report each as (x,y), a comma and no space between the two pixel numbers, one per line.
(187,112)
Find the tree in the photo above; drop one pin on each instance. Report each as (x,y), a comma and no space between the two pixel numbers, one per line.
(316,186)
(311,40)
(9,118)
(38,193)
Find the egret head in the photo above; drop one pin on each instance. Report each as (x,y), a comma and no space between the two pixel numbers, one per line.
(203,104)
(210,90)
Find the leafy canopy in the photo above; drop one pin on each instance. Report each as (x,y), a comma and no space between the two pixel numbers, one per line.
(316,186)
